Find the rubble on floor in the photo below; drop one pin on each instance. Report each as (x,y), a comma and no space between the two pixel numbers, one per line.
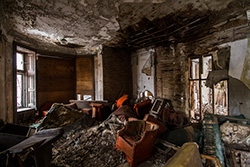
(87,147)
(60,115)
(95,147)
(235,133)
(89,142)
(235,136)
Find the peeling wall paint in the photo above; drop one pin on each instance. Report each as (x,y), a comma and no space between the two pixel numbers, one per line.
(238,54)
(98,67)
(245,76)
(141,81)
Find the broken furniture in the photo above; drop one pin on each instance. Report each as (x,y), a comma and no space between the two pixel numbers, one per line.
(174,119)
(45,108)
(235,136)
(162,127)
(124,112)
(188,155)
(180,136)
(81,104)
(96,111)
(165,147)
(35,149)
(142,108)
(122,100)
(158,107)
(136,140)
(12,134)
(9,140)
(60,115)
(19,130)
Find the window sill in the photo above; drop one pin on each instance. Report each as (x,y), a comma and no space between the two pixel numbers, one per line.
(25,109)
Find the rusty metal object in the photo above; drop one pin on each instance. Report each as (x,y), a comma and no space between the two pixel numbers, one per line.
(136,140)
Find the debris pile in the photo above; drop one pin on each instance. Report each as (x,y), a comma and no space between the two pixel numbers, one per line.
(235,133)
(60,115)
(87,147)
(92,147)
(89,142)
(95,146)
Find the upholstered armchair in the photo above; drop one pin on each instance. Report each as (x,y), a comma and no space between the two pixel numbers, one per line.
(136,140)
(142,108)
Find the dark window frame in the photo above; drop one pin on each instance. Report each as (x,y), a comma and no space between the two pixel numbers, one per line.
(200,80)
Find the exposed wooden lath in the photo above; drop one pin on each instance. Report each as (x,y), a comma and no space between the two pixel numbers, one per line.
(164,31)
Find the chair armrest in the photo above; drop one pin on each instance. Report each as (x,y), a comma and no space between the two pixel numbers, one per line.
(148,135)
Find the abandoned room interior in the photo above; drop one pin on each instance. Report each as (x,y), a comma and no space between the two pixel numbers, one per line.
(146,83)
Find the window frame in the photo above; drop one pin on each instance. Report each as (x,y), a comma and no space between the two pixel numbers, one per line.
(22,91)
(25,79)
(200,80)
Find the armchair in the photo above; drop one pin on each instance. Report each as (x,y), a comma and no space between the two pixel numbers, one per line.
(136,140)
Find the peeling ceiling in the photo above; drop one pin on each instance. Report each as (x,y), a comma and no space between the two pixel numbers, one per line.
(81,26)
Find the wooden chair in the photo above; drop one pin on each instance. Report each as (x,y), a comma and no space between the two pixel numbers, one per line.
(136,140)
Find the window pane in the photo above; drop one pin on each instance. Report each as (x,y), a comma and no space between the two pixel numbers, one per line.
(206,66)
(195,100)
(221,98)
(206,99)
(19,61)
(194,68)
(19,90)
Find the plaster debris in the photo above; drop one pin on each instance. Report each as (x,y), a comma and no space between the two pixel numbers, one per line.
(233,133)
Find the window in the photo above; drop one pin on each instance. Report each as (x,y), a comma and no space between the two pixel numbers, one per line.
(204,99)
(25,79)
(19,80)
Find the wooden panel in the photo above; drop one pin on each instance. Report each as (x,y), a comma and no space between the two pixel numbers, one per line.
(117,73)
(84,76)
(171,72)
(55,80)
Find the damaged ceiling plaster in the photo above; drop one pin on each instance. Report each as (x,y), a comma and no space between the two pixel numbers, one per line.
(81,26)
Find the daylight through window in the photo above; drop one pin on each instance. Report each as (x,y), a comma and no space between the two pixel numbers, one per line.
(25,80)
(202,98)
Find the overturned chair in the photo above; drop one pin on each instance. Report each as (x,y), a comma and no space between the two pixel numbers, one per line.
(136,140)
